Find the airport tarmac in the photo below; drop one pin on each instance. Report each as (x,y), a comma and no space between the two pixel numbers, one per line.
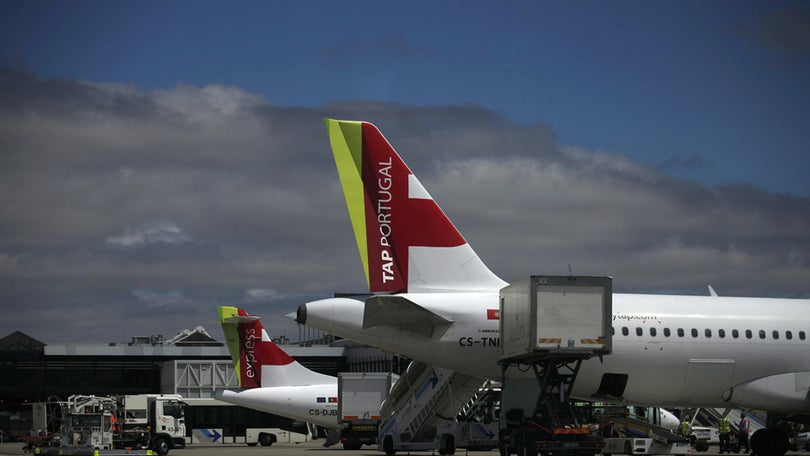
(313,448)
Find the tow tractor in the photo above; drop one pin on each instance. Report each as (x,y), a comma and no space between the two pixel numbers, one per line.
(630,435)
(549,325)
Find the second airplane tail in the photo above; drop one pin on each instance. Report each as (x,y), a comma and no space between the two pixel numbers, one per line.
(259,362)
(407,244)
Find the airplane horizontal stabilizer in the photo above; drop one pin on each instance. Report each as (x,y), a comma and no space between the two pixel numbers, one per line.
(241,319)
(403,314)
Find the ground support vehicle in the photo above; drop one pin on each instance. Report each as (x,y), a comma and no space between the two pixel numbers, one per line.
(550,324)
(134,424)
(158,417)
(802,441)
(642,445)
(633,436)
(360,396)
(471,436)
(552,427)
(269,436)
(428,409)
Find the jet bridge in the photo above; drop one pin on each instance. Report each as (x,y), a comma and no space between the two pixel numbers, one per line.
(549,325)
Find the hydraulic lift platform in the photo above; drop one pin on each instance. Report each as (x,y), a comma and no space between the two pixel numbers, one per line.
(550,325)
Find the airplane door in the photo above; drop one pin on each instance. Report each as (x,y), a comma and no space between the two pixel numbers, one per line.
(706,379)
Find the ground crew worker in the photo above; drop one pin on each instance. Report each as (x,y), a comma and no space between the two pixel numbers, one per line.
(742,433)
(686,428)
(725,435)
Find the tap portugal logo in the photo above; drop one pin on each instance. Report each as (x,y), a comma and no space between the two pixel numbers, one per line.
(384,184)
(399,214)
(390,210)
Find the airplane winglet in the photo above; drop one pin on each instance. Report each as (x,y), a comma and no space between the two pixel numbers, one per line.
(346,138)
(712,293)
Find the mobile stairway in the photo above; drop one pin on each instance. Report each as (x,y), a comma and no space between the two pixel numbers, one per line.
(420,412)
(706,426)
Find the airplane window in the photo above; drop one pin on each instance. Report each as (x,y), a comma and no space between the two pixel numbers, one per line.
(775,334)
(748,334)
(666,332)
(735,334)
(708,332)
(761,334)
(652,332)
(788,335)
(612,331)
(625,331)
(639,331)
(721,333)
(680,332)
(801,335)
(694,332)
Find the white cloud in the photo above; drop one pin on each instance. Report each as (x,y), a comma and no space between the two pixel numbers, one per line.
(217,193)
(150,233)
(255,295)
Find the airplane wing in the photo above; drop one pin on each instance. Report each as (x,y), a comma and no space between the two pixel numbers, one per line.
(403,314)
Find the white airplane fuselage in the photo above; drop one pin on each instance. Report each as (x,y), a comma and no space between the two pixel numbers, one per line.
(706,351)
(309,403)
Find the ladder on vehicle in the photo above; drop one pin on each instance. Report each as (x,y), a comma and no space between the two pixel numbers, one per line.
(422,397)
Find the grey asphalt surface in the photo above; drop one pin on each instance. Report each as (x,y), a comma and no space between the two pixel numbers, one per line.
(313,448)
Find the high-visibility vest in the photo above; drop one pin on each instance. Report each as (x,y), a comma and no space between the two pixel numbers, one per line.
(685,428)
(724,426)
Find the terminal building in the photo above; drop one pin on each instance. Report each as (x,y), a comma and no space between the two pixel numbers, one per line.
(191,364)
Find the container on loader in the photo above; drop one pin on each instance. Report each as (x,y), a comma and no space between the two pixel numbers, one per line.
(550,324)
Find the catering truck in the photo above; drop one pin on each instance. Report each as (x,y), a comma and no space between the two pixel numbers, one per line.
(550,324)
(360,396)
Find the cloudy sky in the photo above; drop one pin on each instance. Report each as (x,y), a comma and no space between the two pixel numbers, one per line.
(158,159)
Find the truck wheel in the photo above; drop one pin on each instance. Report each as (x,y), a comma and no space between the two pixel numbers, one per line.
(161,446)
(769,442)
(388,445)
(447,444)
(352,445)
(266,439)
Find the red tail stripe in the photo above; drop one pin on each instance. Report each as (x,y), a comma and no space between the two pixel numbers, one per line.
(255,353)
(391,214)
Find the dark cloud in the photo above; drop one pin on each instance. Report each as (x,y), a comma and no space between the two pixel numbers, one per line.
(142,210)
(785,33)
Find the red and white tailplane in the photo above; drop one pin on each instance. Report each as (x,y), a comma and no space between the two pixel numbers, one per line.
(406,243)
(258,360)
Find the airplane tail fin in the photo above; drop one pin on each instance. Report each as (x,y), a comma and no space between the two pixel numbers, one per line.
(258,361)
(406,243)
